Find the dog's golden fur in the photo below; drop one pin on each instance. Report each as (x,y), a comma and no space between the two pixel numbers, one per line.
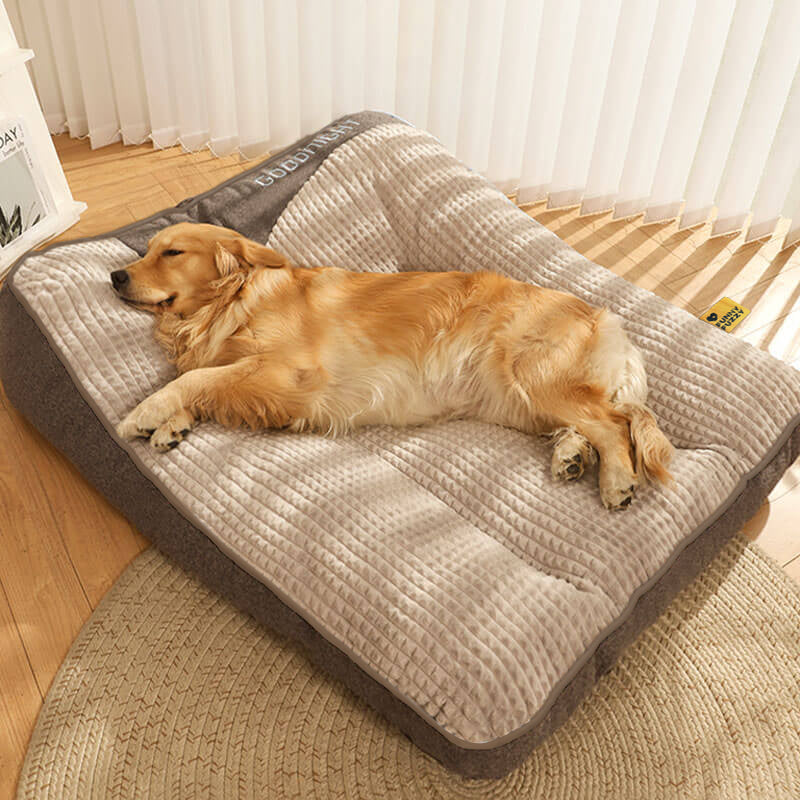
(260,342)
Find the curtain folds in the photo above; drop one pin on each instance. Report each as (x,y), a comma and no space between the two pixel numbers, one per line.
(667,108)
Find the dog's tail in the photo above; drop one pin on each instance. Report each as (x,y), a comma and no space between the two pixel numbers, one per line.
(653,451)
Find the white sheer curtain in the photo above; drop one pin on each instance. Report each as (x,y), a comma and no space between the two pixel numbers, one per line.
(667,108)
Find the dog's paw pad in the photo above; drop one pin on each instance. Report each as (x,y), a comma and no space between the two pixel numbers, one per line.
(167,438)
(569,468)
(572,455)
(617,499)
(128,429)
(171,433)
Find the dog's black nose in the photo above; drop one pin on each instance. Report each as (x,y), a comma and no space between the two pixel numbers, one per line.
(119,278)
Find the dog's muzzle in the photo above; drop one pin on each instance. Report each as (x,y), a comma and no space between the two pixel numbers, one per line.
(119,279)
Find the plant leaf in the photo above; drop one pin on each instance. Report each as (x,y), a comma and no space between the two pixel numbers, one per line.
(16,221)
(5,230)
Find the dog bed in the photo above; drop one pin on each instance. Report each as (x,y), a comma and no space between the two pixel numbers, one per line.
(440,572)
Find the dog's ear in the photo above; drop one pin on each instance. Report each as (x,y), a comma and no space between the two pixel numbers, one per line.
(226,261)
(257,255)
(244,254)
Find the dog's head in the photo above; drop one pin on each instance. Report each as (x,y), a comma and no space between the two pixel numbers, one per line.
(183,265)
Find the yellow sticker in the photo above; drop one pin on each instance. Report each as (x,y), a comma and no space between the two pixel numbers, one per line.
(726,314)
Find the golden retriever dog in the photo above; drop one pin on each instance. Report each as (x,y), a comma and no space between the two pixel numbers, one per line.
(262,343)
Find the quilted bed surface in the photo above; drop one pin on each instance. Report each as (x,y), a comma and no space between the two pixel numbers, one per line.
(443,559)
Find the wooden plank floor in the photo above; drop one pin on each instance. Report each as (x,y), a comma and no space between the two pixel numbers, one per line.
(63,545)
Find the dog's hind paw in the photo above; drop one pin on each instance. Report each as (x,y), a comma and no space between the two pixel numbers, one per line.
(572,454)
(569,469)
(616,498)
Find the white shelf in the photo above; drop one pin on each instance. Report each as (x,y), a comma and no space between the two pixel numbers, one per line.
(13,58)
(18,100)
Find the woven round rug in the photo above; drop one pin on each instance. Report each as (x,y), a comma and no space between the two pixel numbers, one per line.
(170,692)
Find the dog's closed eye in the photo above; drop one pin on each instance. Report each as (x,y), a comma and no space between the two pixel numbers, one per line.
(172,253)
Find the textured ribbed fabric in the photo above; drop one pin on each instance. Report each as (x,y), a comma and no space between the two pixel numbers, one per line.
(444,559)
(171,693)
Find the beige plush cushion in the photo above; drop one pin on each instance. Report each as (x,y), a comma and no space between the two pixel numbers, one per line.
(444,560)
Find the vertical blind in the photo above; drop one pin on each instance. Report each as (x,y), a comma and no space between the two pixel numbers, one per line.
(666,108)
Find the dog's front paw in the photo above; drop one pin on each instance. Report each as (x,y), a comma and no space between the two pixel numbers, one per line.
(149,415)
(129,428)
(172,432)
